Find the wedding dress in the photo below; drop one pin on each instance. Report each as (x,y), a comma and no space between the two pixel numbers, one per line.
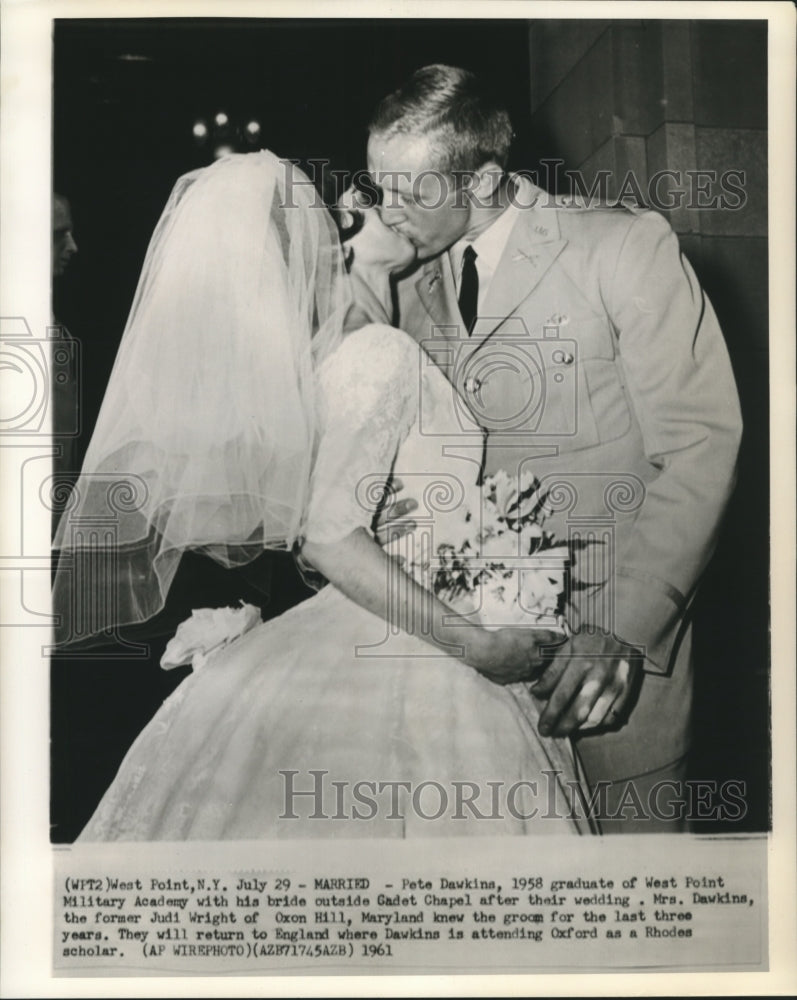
(326,721)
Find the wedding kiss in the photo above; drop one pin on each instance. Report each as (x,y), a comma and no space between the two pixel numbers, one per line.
(275,376)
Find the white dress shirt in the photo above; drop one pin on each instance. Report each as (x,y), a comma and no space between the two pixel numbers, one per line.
(489,246)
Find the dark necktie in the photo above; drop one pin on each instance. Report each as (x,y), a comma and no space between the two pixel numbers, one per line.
(469,288)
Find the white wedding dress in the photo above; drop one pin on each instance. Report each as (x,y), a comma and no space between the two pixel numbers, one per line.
(328,693)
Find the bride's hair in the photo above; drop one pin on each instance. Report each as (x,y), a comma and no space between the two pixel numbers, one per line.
(206,435)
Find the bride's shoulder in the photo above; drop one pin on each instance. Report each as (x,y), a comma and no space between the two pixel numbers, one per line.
(380,352)
(377,339)
(376,362)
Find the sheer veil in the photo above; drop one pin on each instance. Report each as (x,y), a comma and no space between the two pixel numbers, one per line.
(207,431)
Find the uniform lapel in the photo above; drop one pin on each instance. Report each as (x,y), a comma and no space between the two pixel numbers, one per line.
(435,288)
(532,247)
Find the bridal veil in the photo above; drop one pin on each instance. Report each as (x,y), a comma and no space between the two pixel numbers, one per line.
(206,435)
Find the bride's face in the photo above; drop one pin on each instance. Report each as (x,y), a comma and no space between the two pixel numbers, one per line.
(375,244)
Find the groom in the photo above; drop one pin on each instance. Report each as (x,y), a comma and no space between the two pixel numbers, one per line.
(580,338)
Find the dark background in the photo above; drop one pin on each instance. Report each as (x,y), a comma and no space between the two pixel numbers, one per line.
(594,93)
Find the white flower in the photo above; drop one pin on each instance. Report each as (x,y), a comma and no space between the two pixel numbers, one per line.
(540,589)
(207,629)
(478,544)
(531,507)
(487,521)
(505,490)
(527,480)
(496,602)
(507,544)
(452,527)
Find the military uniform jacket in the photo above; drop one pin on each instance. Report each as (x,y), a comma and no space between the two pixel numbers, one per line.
(597,363)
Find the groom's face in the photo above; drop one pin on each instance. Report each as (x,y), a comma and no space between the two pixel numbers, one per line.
(418,200)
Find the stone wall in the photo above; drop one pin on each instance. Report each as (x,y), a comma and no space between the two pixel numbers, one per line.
(644,96)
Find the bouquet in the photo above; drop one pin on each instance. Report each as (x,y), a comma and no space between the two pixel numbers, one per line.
(493,558)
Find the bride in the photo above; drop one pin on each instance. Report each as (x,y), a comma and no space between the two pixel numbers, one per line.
(250,407)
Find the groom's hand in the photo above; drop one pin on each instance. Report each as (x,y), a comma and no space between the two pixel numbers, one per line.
(590,682)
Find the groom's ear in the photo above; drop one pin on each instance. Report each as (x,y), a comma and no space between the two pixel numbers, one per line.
(487,179)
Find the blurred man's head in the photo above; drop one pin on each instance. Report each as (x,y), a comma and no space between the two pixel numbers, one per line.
(64,246)
(437,149)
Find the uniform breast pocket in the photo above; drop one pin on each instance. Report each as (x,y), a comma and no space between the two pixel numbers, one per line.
(559,388)
(603,387)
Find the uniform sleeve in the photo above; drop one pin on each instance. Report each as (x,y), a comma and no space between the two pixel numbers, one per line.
(679,378)
(368,398)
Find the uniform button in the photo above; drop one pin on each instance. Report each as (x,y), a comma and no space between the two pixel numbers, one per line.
(563,358)
(472,384)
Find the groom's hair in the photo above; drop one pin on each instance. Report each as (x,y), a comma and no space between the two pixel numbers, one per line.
(465,123)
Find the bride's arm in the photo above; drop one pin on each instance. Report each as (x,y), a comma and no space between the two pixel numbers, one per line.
(369,400)
(359,567)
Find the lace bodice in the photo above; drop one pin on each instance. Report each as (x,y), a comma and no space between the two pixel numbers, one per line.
(387,408)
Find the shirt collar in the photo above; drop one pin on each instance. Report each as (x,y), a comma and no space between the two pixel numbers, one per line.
(489,244)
